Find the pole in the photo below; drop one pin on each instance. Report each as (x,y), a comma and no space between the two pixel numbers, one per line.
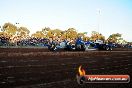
(99,12)
(98,21)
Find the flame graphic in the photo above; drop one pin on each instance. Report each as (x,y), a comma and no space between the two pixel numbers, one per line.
(81,71)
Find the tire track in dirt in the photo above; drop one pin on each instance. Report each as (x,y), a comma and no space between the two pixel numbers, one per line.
(60,72)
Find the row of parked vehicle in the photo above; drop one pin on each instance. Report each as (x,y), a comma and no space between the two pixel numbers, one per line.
(79,45)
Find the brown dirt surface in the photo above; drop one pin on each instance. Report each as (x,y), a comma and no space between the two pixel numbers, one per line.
(39,68)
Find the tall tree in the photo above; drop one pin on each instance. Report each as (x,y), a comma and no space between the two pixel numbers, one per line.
(9,28)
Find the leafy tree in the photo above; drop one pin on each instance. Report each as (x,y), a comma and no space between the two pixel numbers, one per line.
(50,34)
(9,28)
(23,32)
(71,33)
(56,32)
(114,38)
(97,36)
(45,31)
(38,34)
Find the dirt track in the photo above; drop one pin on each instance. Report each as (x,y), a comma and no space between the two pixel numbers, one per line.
(38,68)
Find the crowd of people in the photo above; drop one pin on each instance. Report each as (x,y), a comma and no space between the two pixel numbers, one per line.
(5,41)
(32,41)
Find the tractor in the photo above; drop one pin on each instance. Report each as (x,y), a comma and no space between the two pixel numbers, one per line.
(78,45)
(98,45)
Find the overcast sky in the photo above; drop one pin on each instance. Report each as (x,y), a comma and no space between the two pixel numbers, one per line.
(104,16)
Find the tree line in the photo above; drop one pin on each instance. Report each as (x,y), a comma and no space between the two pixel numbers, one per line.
(14,34)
